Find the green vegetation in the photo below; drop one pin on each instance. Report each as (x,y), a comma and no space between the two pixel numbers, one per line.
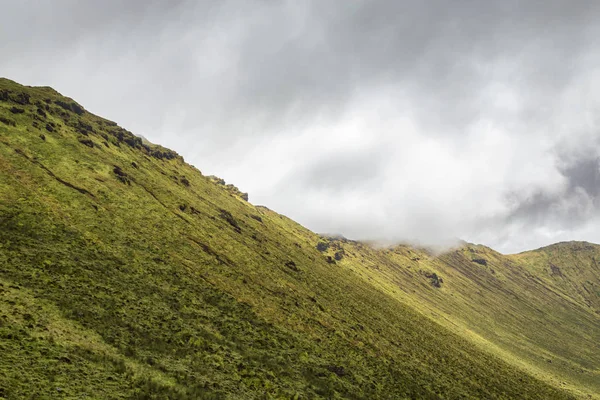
(537,310)
(126,273)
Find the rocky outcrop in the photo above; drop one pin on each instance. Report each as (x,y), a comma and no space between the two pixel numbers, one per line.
(232,189)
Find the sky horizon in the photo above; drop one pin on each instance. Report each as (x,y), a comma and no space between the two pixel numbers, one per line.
(384,121)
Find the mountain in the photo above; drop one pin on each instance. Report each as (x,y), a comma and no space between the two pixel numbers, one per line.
(538,310)
(126,273)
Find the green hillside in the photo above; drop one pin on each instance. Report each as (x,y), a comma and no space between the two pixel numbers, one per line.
(523,308)
(126,273)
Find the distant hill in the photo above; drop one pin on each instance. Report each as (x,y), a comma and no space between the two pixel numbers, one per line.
(127,274)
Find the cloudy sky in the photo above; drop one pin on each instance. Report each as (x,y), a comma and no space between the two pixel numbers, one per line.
(387,120)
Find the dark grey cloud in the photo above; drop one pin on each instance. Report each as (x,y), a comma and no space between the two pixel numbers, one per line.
(584,175)
(389,120)
(577,203)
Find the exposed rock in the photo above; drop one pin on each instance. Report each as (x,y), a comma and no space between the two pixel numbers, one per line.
(65,359)
(292,265)
(480,261)
(70,106)
(336,369)
(65,115)
(322,246)
(555,271)
(226,215)
(256,217)
(19,98)
(17,110)
(8,121)
(87,142)
(217,180)
(163,154)
(84,128)
(436,281)
(121,175)
(133,141)
(232,189)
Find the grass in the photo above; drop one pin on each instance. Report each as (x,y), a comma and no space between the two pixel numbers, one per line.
(126,273)
(513,306)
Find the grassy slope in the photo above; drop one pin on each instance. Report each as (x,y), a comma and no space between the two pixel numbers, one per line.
(125,273)
(541,319)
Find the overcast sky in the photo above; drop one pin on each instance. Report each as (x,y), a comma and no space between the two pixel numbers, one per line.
(385,120)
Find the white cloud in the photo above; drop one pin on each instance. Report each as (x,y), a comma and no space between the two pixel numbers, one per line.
(381,120)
